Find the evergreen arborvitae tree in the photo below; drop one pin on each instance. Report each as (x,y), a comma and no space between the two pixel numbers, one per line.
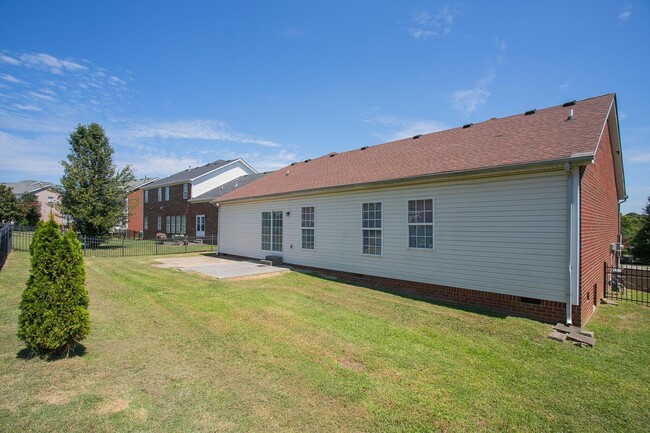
(95,191)
(53,309)
(641,242)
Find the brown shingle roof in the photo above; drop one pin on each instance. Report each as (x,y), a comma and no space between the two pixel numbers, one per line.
(521,139)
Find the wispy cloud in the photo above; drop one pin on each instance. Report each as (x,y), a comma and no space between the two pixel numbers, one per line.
(26,107)
(194,130)
(467,101)
(625,13)
(293,32)
(10,78)
(640,157)
(425,24)
(397,127)
(566,85)
(48,62)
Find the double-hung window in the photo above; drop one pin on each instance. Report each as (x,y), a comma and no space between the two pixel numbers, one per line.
(371,226)
(159,194)
(307,223)
(186,189)
(146,222)
(159,223)
(420,223)
(146,196)
(272,230)
(166,193)
(168,228)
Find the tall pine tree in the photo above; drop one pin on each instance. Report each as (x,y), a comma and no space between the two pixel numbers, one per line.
(95,191)
(53,309)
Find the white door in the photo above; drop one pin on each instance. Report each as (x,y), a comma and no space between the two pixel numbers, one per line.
(200,226)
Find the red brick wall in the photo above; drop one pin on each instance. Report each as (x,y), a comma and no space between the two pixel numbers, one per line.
(177,205)
(598,226)
(135,210)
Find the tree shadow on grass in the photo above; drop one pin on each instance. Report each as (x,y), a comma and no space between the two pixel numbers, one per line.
(26,353)
(397,292)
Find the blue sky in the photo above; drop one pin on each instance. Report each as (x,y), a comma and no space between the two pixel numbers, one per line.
(178,84)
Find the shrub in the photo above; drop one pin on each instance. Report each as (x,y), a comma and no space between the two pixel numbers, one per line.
(53,309)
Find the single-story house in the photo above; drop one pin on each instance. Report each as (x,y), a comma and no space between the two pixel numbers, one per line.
(516,215)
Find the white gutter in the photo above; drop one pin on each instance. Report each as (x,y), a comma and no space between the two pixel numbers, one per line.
(573,239)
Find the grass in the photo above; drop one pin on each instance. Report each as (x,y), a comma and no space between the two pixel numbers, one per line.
(170,351)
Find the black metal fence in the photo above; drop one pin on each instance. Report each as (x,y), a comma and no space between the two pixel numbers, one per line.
(123,245)
(5,243)
(628,283)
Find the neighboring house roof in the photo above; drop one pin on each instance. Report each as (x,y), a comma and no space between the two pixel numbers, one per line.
(190,174)
(25,186)
(538,137)
(139,183)
(227,187)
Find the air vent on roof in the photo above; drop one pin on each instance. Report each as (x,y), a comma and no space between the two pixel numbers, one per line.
(294,163)
(307,160)
(415,137)
(570,103)
(529,112)
(332,154)
(469,125)
(364,147)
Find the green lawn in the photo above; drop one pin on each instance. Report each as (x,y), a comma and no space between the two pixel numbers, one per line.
(177,352)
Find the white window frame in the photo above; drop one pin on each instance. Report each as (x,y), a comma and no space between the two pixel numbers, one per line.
(167,225)
(312,228)
(272,245)
(186,189)
(146,196)
(145,222)
(166,193)
(432,224)
(380,229)
(160,194)
(159,223)
(197,225)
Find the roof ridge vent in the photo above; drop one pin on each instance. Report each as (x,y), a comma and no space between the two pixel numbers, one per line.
(364,147)
(415,137)
(332,154)
(307,160)
(570,103)
(468,125)
(294,163)
(529,112)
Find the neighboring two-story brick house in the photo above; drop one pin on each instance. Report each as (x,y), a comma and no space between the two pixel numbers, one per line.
(169,207)
(134,204)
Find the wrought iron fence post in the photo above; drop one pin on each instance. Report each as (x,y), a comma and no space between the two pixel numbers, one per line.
(84,238)
(123,246)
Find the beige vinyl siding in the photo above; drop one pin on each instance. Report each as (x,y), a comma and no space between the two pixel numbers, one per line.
(501,234)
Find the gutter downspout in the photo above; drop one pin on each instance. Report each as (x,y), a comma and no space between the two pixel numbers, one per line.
(620,235)
(573,239)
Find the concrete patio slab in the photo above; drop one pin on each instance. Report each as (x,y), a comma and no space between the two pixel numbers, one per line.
(219,267)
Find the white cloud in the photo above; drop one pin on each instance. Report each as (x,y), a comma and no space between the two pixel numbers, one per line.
(467,101)
(400,127)
(625,13)
(293,32)
(565,86)
(8,59)
(10,78)
(51,63)
(26,107)
(31,157)
(642,157)
(194,129)
(425,24)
